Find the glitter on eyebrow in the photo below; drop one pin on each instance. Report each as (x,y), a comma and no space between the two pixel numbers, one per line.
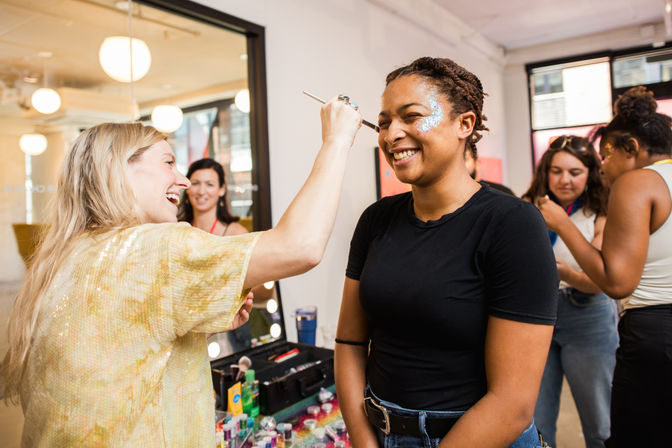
(431,122)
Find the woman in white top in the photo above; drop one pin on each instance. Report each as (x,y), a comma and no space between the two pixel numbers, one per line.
(635,263)
(585,336)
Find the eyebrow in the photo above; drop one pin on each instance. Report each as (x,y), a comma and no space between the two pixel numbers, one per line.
(400,109)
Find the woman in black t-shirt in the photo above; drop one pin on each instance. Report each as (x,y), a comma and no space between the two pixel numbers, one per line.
(450,290)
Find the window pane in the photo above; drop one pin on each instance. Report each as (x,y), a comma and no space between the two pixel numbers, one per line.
(647,68)
(571,95)
(542,139)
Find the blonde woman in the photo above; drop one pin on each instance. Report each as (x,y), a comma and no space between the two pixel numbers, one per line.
(107,336)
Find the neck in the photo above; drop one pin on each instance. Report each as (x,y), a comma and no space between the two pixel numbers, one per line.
(204,220)
(658,157)
(432,202)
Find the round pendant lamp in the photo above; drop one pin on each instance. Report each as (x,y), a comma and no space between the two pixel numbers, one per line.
(167,118)
(45,101)
(115,58)
(33,144)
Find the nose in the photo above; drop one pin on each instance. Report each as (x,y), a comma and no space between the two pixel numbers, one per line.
(395,131)
(182,181)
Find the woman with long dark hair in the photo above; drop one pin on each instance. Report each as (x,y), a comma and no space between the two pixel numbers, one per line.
(204,203)
(585,337)
(635,263)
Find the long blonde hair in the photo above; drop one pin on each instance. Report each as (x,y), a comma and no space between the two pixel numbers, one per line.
(93,195)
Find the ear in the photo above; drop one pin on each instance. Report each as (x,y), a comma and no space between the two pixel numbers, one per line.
(222,190)
(466,123)
(634,149)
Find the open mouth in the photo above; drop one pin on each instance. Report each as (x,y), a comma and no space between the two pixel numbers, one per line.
(403,155)
(174,198)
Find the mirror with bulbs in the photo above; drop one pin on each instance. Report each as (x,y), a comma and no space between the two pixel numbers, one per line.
(195,73)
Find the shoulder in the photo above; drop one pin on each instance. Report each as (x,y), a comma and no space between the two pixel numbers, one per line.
(499,187)
(637,184)
(235,228)
(387,205)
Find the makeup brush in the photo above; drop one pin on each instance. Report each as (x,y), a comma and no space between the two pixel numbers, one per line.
(364,122)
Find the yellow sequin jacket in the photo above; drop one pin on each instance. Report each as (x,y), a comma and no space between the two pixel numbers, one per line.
(119,355)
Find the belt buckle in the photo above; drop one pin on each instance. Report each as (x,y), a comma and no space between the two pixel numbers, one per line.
(385,430)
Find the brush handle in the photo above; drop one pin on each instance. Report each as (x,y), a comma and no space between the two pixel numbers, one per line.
(364,122)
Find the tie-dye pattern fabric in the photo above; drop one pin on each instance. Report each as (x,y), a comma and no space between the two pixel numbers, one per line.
(119,354)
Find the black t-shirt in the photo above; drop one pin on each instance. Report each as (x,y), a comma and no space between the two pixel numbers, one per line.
(427,289)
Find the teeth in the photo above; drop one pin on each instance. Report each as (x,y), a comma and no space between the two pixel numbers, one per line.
(173,197)
(404,154)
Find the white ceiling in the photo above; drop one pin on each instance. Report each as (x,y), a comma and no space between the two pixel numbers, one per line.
(188,57)
(521,23)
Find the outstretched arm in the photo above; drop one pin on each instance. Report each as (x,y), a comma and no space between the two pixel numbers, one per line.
(298,241)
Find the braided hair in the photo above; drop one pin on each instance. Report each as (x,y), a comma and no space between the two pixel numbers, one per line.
(636,117)
(463,89)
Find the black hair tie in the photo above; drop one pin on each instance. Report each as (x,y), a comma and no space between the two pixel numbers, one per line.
(357,343)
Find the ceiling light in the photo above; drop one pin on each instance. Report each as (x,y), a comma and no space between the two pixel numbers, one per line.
(33,144)
(242,101)
(114,56)
(46,101)
(167,118)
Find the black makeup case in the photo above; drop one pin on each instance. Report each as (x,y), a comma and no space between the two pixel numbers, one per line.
(287,372)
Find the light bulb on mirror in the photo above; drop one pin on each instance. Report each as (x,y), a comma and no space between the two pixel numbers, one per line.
(214,350)
(272,306)
(276,330)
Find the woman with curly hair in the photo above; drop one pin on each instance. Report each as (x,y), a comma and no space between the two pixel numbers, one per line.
(635,263)
(450,291)
(585,337)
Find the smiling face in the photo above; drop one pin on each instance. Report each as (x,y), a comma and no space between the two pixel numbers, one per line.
(418,136)
(204,191)
(567,178)
(156,183)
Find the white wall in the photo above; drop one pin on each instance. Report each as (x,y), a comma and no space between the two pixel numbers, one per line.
(332,47)
(519,148)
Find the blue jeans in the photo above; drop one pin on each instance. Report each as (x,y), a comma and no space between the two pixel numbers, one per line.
(528,439)
(584,350)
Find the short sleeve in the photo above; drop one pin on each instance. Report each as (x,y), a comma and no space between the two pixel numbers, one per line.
(206,276)
(359,246)
(521,275)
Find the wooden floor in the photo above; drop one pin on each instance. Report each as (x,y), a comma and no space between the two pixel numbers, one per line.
(11,418)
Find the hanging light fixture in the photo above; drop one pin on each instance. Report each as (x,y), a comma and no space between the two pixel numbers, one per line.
(45,100)
(115,58)
(33,144)
(167,118)
(242,101)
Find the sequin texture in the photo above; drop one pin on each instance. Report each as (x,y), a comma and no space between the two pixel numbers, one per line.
(428,123)
(119,355)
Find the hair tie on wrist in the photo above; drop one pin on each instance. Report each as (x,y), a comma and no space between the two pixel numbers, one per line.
(358,343)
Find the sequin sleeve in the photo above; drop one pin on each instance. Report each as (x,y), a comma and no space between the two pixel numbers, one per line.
(206,278)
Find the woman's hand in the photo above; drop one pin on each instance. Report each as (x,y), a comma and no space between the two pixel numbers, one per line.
(553,214)
(243,314)
(564,271)
(340,121)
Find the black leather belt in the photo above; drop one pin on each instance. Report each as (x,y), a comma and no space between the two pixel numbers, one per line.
(409,425)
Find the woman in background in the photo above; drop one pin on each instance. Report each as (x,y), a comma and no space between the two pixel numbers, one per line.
(585,336)
(450,291)
(635,263)
(204,205)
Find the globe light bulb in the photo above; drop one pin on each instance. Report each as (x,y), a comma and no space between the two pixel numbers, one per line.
(33,144)
(167,118)
(115,59)
(46,101)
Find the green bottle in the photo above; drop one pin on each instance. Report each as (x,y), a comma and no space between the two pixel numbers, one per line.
(248,395)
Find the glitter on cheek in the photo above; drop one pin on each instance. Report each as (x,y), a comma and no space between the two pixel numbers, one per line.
(428,123)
